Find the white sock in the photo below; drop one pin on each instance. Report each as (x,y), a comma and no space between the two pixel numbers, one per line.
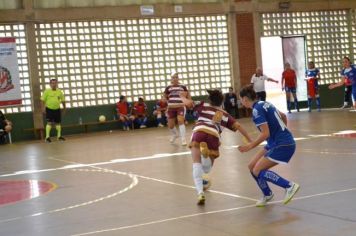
(206,164)
(182,131)
(173,131)
(198,177)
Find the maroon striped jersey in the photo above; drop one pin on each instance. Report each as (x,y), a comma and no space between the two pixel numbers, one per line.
(213,119)
(172,92)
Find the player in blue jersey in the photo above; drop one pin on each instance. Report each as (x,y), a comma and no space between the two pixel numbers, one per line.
(312,76)
(279,149)
(348,72)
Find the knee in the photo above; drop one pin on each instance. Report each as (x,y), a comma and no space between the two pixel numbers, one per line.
(256,171)
(8,128)
(180,120)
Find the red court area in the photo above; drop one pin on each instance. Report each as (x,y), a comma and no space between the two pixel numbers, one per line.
(17,190)
(346,134)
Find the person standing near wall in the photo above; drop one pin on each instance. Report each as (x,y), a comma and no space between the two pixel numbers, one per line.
(52,99)
(289,84)
(258,82)
(176,108)
(230,103)
(312,75)
(5,127)
(348,72)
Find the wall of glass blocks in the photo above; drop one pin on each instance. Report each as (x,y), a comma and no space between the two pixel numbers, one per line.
(18,31)
(97,61)
(328,38)
(353,35)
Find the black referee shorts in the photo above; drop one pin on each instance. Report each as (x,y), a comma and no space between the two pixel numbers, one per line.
(53,116)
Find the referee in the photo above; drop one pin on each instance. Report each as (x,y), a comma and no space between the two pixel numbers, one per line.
(51,101)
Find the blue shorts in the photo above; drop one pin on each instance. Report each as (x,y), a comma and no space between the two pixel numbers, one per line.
(291,89)
(280,154)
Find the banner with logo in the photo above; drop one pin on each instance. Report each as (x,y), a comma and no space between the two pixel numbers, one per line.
(10,89)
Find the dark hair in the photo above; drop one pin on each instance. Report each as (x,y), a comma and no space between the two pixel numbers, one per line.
(122,97)
(347,58)
(216,97)
(249,92)
(52,80)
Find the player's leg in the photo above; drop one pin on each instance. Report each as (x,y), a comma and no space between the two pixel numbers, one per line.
(294,92)
(49,120)
(262,184)
(143,123)
(58,120)
(281,154)
(172,115)
(288,96)
(181,124)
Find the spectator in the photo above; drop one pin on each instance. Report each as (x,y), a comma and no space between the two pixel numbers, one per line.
(122,109)
(230,103)
(5,127)
(139,113)
(258,82)
(160,110)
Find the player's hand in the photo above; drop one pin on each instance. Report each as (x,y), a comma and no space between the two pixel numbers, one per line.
(183,94)
(245,148)
(331,86)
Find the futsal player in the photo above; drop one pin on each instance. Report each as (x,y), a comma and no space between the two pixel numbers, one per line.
(205,141)
(312,75)
(279,149)
(176,108)
(348,72)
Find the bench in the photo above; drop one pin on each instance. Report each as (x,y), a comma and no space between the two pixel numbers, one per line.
(39,132)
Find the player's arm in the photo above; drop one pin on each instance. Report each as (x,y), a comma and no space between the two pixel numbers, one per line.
(188,102)
(339,84)
(242,131)
(282,83)
(272,80)
(264,134)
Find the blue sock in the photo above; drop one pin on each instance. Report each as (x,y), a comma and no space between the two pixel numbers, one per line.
(309,103)
(159,121)
(288,105)
(296,104)
(318,102)
(263,185)
(274,178)
(127,124)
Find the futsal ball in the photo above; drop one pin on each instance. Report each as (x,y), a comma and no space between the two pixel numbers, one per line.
(102,118)
(206,182)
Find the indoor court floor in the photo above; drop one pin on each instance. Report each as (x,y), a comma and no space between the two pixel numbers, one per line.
(137,183)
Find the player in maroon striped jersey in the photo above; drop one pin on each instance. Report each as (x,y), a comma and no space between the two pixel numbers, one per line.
(176,108)
(205,141)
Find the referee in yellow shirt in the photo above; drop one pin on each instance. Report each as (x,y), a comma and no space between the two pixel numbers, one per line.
(51,102)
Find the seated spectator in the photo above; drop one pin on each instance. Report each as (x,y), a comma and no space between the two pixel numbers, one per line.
(159,111)
(139,113)
(5,127)
(122,109)
(230,103)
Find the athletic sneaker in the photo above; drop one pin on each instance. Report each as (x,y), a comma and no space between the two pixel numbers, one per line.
(263,201)
(142,126)
(160,125)
(48,140)
(173,138)
(204,150)
(290,192)
(61,139)
(184,142)
(201,199)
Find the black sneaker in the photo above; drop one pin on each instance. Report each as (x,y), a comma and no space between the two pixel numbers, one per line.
(61,139)
(48,140)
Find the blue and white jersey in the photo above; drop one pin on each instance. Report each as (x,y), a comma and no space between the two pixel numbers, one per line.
(350,73)
(312,73)
(266,113)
